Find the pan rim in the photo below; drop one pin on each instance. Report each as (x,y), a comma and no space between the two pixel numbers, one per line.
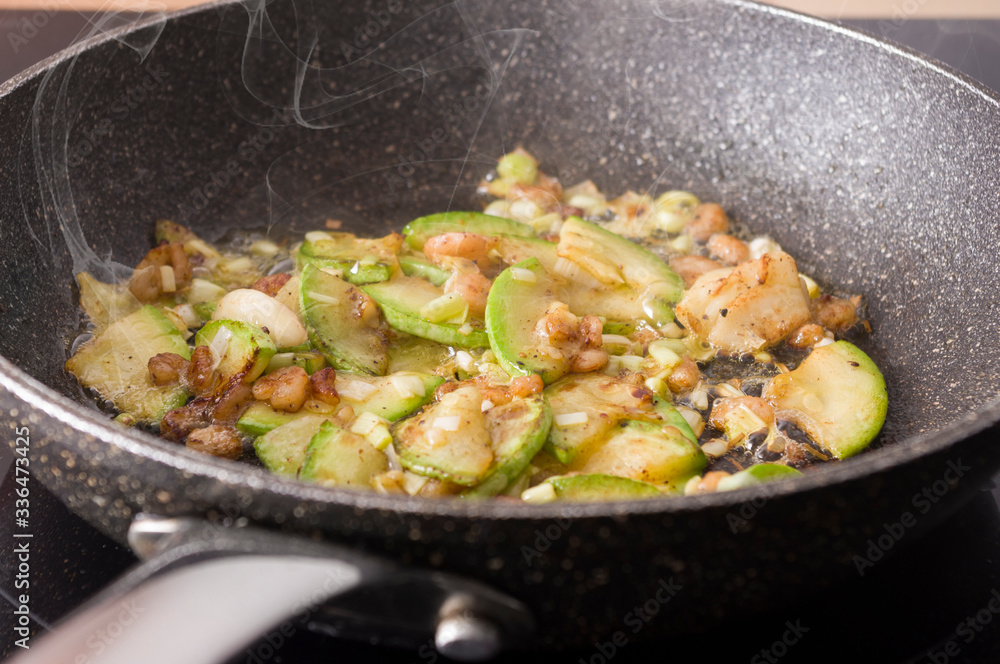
(84,419)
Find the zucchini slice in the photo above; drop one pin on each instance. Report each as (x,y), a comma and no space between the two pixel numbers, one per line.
(598,488)
(587,408)
(647,451)
(839,395)
(401,300)
(759,474)
(260,419)
(283,449)
(420,230)
(614,260)
(115,364)
(391,397)
(620,303)
(332,309)
(514,249)
(336,457)
(448,440)
(104,303)
(247,349)
(414,266)
(513,308)
(517,433)
(362,260)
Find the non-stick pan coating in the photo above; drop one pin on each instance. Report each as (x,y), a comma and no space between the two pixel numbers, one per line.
(878,170)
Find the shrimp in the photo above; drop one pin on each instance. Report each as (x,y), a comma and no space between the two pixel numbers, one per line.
(473,287)
(471,246)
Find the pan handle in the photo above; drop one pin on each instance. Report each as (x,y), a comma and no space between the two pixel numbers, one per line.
(203,592)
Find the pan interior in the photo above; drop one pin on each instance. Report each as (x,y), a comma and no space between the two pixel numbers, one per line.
(880,174)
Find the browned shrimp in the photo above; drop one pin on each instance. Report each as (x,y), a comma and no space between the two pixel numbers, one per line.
(834,313)
(684,376)
(285,389)
(472,287)
(806,336)
(722,407)
(471,246)
(709,219)
(147,281)
(728,249)
(690,267)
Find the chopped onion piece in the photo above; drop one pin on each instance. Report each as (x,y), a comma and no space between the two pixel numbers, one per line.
(523,274)
(699,397)
(187,312)
(586,202)
(672,330)
(715,448)
(656,385)
(204,291)
(539,495)
(220,344)
(672,210)
(569,270)
(570,419)
(524,210)
(199,246)
(811,286)
(264,248)
(616,340)
(408,386)
(447,422)
(499,208)
(464,360)
(728,390)
(825,341)
(683,243)
(617,363)
(320,297)
(379,438)
(318,236)
(445,307)
(365,423)
(486,405)
(664,354)
(413,483)
(355,390)
(762,245)
(168,284)
(374,430)
(241,264)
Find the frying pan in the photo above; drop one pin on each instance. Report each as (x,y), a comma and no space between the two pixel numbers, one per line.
(877,169)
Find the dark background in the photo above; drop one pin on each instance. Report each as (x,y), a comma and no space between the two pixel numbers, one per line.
(907,609)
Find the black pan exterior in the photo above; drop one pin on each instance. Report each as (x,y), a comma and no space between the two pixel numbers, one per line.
(878,170)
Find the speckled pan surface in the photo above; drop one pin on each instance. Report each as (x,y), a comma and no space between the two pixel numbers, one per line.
(878,170)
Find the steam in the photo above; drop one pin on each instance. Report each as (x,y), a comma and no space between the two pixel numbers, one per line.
(57,104)
(381,64)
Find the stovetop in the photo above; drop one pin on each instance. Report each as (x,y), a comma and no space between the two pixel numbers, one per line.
(937,602)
